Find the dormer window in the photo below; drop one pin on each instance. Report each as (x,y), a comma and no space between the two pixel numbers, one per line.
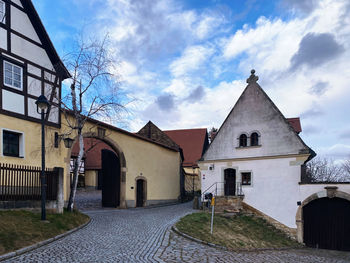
(243,140)
(2,12)
(13,76)
(254,139)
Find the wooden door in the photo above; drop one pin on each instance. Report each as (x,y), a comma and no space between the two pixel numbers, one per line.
(230,181)
(140,193)
(110,179)
(327,223)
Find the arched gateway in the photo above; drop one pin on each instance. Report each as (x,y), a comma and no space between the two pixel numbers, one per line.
(112,173)
(323,220)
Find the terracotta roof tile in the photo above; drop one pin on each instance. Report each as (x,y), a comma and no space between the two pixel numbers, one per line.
(92,152)
(193,143)
(295,122)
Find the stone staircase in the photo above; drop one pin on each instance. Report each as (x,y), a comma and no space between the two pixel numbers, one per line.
(228,204)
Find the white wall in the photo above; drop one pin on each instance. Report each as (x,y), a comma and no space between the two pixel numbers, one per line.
(3,38)
(254,112)
(27,50)
(275,188)
(21,23)
(274,185)
(305,190)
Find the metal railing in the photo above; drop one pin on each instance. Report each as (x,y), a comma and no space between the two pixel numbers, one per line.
(220,189)
(18,182)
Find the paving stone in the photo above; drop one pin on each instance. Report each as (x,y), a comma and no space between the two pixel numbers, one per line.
(144,235)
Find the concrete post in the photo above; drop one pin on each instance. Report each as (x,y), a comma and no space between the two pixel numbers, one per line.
(60,194)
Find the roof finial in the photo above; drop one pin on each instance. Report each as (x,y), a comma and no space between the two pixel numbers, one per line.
(252,78)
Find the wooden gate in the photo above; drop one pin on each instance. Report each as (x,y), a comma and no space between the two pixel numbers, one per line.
(110,179)
(230,181)
(327,223)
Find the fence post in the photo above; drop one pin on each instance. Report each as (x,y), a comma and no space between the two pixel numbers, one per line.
(60,194)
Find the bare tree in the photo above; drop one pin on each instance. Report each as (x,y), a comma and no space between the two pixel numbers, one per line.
(346,167)
(325,170)
(94,93)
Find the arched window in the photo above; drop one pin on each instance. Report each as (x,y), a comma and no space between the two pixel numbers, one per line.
(242,140)
(254,139)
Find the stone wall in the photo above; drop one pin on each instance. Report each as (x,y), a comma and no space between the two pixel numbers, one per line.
(231,204)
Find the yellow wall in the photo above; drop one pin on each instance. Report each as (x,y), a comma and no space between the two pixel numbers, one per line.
(160,166)
(188,179)
(91,178)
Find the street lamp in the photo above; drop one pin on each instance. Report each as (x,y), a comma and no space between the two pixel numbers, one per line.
(42,106)
(68,142)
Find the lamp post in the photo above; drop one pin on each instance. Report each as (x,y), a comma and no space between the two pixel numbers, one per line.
(42,106)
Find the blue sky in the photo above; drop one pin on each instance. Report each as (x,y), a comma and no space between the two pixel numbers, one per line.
(185,62)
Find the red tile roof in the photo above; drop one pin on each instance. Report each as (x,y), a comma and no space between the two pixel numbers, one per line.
(92,152)
(193,143)
(295,122)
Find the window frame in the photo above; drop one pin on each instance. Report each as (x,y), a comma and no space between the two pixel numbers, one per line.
(240,140)
(3,13)
(257,139)
(13,65)
(243,173)
(20,143)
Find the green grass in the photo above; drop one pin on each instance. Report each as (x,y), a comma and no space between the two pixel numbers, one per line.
(19,228)
(238,232)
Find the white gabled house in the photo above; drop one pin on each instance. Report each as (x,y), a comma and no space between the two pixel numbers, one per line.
(258,155)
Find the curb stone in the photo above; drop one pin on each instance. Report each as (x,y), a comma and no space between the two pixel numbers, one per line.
(41,243)
(177,231)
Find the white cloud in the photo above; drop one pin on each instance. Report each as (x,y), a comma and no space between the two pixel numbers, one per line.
(192,58)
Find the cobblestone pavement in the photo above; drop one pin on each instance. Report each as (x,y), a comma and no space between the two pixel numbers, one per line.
(144,235)
(88,199)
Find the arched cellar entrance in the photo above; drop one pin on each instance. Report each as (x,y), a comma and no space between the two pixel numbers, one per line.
(323,220)
(101,175)
(327,223)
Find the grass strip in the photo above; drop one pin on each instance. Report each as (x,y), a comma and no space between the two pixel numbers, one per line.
(20,228)
(237,233)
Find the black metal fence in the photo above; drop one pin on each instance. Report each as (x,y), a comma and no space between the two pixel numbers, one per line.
(18,182)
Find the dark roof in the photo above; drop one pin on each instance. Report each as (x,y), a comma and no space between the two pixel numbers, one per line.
(45,39)
(295,122)
(152,132)
(92,152)
(193,143)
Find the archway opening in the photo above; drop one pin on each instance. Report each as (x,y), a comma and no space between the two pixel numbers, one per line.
(327,223)
(99,175)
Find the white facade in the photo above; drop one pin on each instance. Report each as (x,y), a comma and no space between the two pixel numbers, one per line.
(25,44)
(274,162)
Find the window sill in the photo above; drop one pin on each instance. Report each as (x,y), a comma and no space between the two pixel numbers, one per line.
(248,147)
(12,156)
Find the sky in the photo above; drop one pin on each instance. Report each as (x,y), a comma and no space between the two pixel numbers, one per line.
(183,63)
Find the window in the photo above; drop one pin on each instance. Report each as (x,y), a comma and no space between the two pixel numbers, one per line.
(2,12)
(254,139)
(246,178)
(10,142)
(243,140)
(13,75)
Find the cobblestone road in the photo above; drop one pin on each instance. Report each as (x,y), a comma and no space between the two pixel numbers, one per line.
(144,235)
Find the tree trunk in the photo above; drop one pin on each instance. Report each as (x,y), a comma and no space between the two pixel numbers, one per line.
(73,188)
